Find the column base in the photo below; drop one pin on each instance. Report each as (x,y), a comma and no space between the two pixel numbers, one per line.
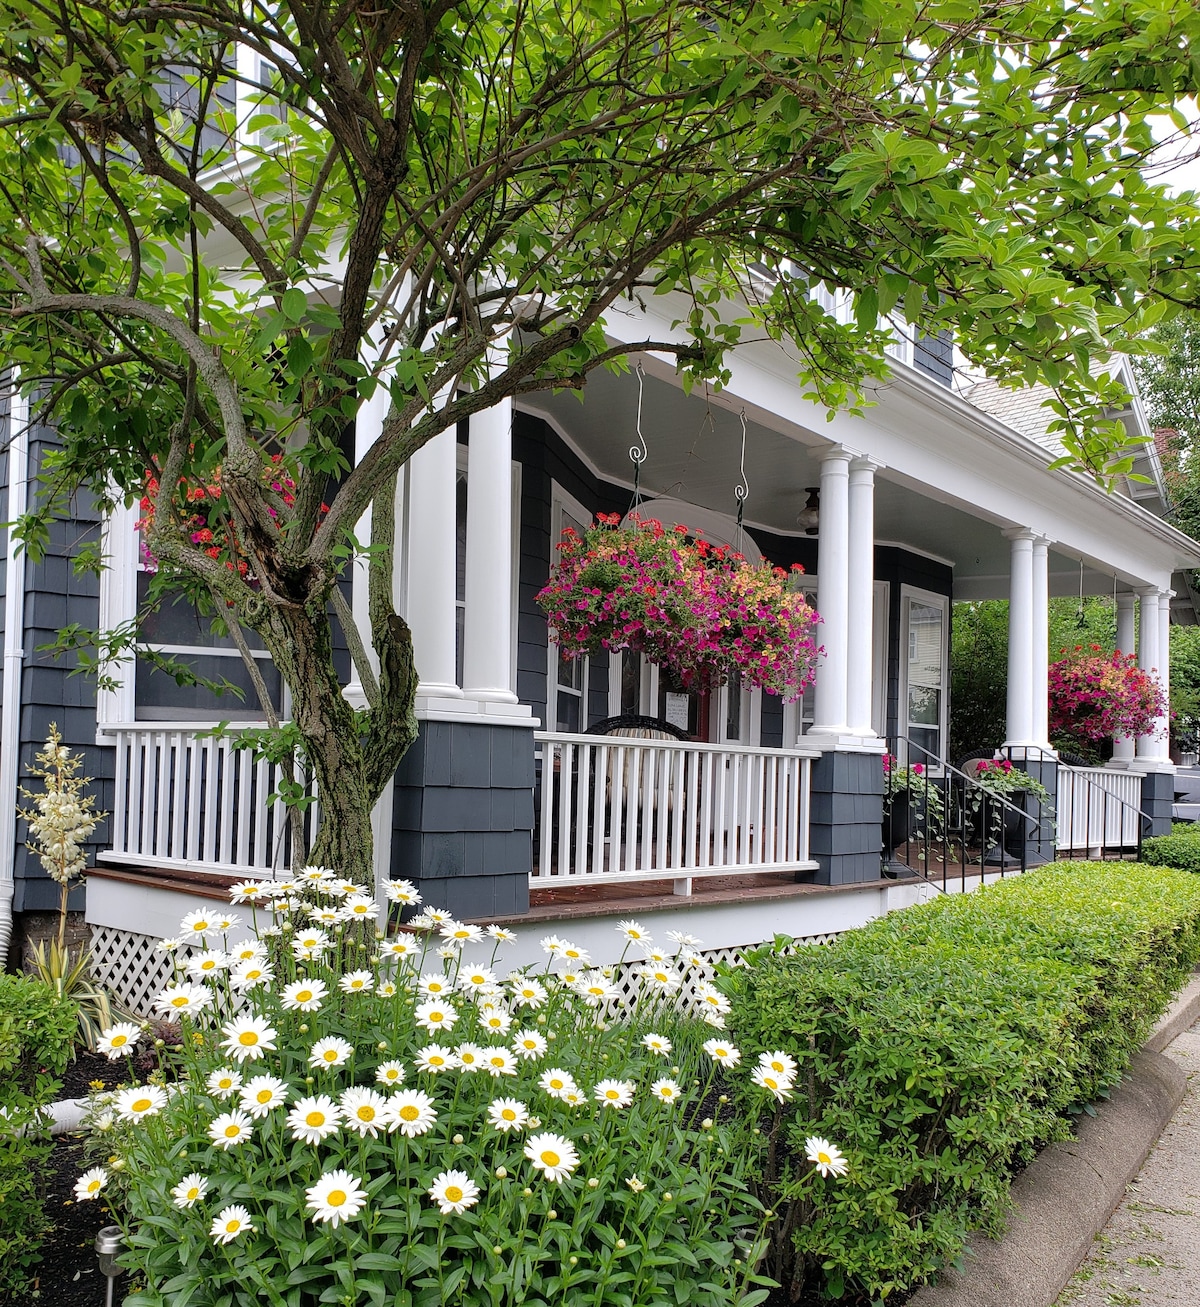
(839,739)
(490,696)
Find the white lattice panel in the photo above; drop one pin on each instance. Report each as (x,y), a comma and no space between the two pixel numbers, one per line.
(128,966)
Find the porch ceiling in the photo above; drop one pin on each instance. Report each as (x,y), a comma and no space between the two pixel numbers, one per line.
(693,447)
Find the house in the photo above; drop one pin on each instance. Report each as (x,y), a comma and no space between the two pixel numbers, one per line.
(767,818)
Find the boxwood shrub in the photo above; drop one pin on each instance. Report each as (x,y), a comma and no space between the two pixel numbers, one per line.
(1180,849)
(940,1046)
(37,1029)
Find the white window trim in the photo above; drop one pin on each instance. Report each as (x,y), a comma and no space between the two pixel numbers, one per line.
(907,593)
(118,604)
(562,501)
(879,656)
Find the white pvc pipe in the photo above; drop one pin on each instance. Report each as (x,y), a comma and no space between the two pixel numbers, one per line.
(14,653)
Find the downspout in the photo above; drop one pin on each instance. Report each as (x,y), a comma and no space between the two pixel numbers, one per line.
(14,655)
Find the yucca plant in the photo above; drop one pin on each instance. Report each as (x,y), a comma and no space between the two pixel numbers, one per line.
(71,977)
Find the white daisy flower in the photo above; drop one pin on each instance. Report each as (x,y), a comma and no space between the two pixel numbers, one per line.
(714,1019)
(634,931)
(495,1020)
(403,946)
(356,982)
(248,975)
(635,1184)
(230,1222)
(246,950)
(314,1118)
(433,1059)
(260,1095)
(574,955)
(411,1112)
(310,944)
(189,1191)
(328,1053)
(224,921)
(284,903)
(337,1196)
(460,933)
(422,921)
(358,907)
(570,978)
(666,1090)
(248,1038)
(223,1083)
(505,1114)
(499,1062)
(553,945)
(454,1192)
(197,924)
(658,956)
(435,986)
(139,1101)
(438,916)
(614,1093)
(470,1057)
(448,952)
(386,989)
(325,916)
(168,945)
(303,995)
(245,891)
(777,1085)
(661,978)
(314,875)
(433,1016)
(721,1051)
(90,1183)
(693,961)
(527,992)
(553,1155)
(211,962)
(597,989)
(783,1064)
(683,939)
(502,935)
(472,979)
(118,1040)
(659,1044)
(343,888)
(712,999)
(825,1157)
(390,1073)
(556,1082)
(363,1110)
(230,1129)
(401,891)
(183,1000)
(282,888)
(528,1044)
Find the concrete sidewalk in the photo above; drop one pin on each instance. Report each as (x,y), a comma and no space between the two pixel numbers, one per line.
(1148,1255)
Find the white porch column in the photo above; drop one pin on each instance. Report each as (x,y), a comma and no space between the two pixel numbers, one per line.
(1149,747)
(860,594)
(1041,641)
(1123,745)
(487,640)
(833,577)
(1163,725)
(1020,712)
(368,427)
(433,475)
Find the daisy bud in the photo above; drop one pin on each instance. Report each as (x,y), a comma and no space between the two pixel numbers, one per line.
(620,1243)
(287,927)
(304,1028)
(501,1173)
(707,1123)
(160,1043)
(572,1261)
(528,1193)
(552,1215)
(458,1139)
(757,1131)
(593,1183)
(497,1249)
(382,1046)
(379,934)
(723,1099)
(667,1197)
(118,1163)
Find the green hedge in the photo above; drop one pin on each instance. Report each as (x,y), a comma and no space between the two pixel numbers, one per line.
(1180,849)
(37,1029)
(939,1047)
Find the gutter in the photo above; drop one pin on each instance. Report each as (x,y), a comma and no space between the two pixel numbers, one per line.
(14,656)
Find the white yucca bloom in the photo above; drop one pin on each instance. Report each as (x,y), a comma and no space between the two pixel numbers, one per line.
(61,821)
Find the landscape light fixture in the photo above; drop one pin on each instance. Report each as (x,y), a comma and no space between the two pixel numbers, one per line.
(109,1246)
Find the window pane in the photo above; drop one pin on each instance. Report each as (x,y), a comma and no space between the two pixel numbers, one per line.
(631,681)
(158,698)
(928,740)
(568,712)
(733,711)
(460,538)
(924,705)
(179,623)
(926,648)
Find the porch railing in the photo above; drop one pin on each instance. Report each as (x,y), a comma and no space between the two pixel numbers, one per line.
(188,799)
(1099,811)
(627,809)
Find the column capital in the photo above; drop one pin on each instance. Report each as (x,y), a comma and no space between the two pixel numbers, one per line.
(1019,533)
(864,465)
(1125,598)
(1150,592)
(836,454)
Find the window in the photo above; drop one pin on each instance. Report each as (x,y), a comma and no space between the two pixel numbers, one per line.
(923,689)
(568,677)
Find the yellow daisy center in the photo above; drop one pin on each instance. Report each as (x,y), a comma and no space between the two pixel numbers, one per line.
(180,1000)
(336,1197)
(549,1157)
(207,965)
(330,1055)
(433,1061)
(611,1093)
(777,1066)
(304,996)
(366,1113)
(264,1095)
(497,1061)
(556,1084)
(93,1186)
(508,1114)
(409,1113)
(824,1158)
(118,1040)
(453,1193)
(315,1119)
(233,1225)
(248,1038)
(193,1193)
(140,1105)
(232,1131)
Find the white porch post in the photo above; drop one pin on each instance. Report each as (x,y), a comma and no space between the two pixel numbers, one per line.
(1123,745)
(1020,709)
(833,577)
(1041,641)
(433,475)
(368,427)
(1162,726)
(860,594)
(1149,748)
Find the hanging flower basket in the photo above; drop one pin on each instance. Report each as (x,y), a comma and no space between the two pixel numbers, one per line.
(1094,695)
(696,608)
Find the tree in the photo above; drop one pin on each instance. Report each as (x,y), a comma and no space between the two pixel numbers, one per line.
(445,199)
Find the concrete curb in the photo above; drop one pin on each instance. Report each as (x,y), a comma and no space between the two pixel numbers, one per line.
(1063,1199)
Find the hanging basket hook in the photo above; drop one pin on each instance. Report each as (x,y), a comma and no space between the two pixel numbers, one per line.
(639,453)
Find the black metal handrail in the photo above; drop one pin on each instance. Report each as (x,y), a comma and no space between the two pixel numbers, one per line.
(955,822)
(1110,803)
